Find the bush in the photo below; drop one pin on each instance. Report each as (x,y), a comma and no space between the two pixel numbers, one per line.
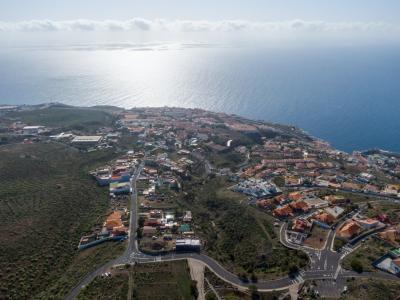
(243,277)
(254,292)
(211,296)
(357,266)
(293,269)
(193,289)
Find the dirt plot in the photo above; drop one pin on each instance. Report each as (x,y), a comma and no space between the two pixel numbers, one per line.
(317,238)
(372,289)
(167,280)
(114,286)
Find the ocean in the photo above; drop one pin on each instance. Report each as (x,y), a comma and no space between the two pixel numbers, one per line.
(349,96)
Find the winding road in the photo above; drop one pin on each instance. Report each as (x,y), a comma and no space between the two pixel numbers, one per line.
(324,263)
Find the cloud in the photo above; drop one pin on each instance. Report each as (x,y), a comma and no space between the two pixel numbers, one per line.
(140,24)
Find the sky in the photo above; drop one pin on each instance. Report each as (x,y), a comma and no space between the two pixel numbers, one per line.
(252,10)
(47,21)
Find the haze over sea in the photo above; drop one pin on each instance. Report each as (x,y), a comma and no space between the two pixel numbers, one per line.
(349,96)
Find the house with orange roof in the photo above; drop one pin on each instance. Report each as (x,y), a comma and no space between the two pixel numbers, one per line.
(335,199)
(301,225)
(324,217)
(300,206)
(121,230)
(292,180)
(279,200)
(110,224)
(152,222)
(265,203)
(368,223)
(115,215)
(391,189)
(349,230)
(295,196)
(113,220)
(283,212)
(391,235)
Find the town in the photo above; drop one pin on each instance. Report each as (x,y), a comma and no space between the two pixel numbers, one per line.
(330,205)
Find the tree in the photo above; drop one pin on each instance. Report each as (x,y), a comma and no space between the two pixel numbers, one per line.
(139,233)
(254,292)
(141,222)
(243,277)
(279,181)
(211,296)
(293,269)
(357,266)
(193,289)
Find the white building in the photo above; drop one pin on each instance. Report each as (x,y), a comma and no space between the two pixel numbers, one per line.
(33,130)
(87,139)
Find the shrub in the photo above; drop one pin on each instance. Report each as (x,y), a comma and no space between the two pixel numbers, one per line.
(357,266)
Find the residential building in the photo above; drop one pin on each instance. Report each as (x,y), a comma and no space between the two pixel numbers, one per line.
(187,245)
(301,225)
(300,206)
(368,223)
(324,217)
(391,235)
(283,212)
(335,211)
(349,230)
(188,216)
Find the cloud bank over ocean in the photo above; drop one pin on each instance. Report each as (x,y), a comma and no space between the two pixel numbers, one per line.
(160,25)
(237,33)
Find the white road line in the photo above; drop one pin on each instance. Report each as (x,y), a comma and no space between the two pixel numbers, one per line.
(337,271)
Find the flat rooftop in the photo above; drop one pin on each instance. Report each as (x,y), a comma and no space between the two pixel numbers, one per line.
(187,242)
(87,139)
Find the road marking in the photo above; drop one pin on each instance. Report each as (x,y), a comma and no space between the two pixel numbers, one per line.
(337,271)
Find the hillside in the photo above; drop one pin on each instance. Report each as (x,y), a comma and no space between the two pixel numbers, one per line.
(47,202)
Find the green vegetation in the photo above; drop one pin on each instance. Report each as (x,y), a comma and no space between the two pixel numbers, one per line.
(66,117)
(226,160)
(227,291)
(365,255)
(338,243)
(237,235)
(372,289)
(167,280)
(356,265)
(47,202)
(114,287)
(279,181)
(388,208)
(351,197)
